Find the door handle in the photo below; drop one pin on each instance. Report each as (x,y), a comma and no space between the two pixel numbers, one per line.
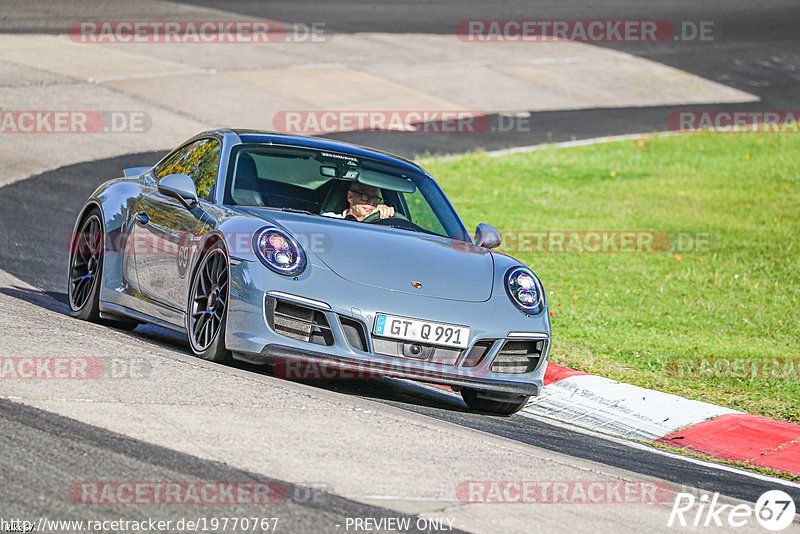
(142,218)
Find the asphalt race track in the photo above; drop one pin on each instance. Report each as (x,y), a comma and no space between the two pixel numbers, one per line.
(61,192)
(753,50)
(68,449)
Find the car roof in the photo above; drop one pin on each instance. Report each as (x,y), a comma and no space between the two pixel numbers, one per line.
(318,143)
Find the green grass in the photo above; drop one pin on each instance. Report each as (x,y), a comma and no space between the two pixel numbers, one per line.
(637,317)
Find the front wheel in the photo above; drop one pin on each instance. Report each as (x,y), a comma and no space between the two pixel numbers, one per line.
(493,403)
(208,306)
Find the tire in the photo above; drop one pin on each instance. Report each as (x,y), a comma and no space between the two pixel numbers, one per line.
(86,255)
(474,399)
(207,311)
(86,268)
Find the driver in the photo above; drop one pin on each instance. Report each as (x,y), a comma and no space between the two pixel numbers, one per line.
(364,200)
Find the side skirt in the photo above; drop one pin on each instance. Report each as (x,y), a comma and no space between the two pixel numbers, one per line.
(110,310)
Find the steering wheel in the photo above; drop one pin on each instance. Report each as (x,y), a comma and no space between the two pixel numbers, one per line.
(376,216)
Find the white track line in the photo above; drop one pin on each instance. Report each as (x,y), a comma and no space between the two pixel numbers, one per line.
(579,142)
(544,146)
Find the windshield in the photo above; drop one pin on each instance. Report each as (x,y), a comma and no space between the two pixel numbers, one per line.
(318,182)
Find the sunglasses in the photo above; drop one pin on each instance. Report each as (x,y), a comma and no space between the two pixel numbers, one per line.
(366,197)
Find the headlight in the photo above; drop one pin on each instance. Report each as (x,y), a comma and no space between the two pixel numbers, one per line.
(524,290)
(279,251)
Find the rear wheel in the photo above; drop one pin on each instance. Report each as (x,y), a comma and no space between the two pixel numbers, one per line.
(86,273)
(85,268)
(493,403)
(208,307)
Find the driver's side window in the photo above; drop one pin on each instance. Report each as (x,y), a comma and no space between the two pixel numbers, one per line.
(199,161)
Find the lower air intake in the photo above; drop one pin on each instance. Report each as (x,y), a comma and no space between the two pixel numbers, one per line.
(354,333)
(518,357)
(298,322)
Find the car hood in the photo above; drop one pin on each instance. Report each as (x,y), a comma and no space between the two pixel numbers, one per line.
(391,259)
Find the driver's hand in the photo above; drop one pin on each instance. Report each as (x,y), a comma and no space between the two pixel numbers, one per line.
(384,210)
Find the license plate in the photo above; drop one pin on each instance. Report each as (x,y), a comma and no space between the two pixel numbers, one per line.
(408,329)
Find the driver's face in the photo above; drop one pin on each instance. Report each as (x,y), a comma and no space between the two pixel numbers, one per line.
(363,199)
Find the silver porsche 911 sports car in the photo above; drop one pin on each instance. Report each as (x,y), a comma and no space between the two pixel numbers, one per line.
(297,251)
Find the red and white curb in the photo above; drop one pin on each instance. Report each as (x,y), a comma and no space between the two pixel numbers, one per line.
(612,407)
(617,408)
(589,401)
(752,439)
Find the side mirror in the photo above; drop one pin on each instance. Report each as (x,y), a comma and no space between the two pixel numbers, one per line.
(487,236)
(180,187)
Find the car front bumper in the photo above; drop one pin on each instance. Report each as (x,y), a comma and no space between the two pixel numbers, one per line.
(495,322)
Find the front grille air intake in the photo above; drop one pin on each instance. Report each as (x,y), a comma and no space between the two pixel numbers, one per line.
(298,322)
(518,357)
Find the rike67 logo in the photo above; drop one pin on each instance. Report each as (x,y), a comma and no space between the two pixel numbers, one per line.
(774,511)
